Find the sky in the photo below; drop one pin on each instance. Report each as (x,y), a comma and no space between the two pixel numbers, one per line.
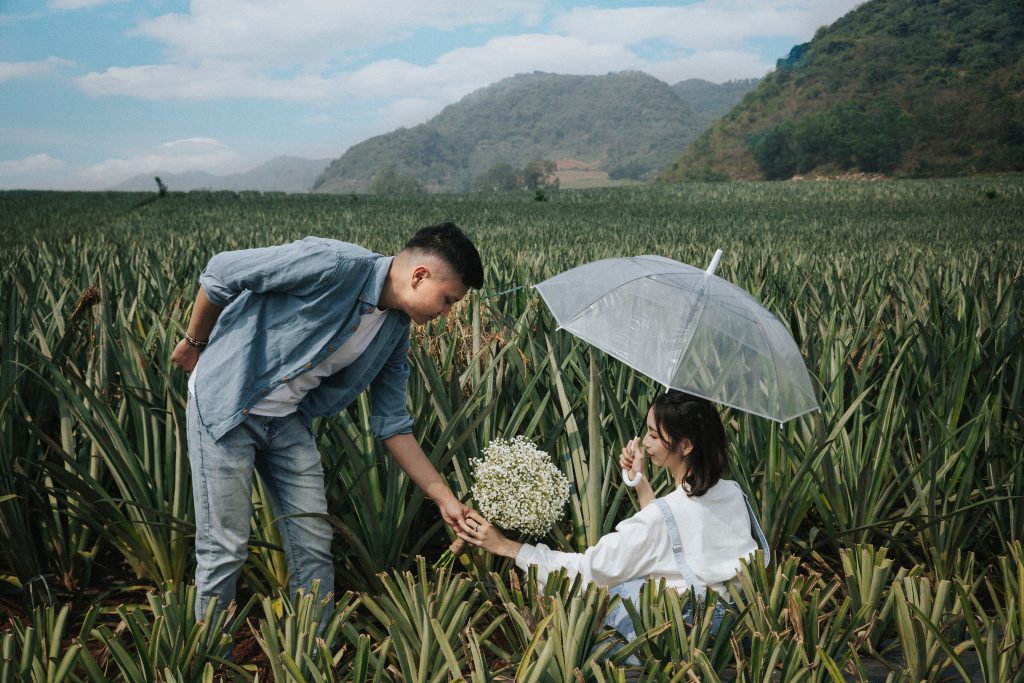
(93,92)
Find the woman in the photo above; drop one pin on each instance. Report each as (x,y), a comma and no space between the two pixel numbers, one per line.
(693,537)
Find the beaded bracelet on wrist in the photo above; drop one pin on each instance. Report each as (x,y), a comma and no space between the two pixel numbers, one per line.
(192,341)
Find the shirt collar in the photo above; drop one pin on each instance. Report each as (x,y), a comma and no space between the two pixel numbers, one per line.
(375,285)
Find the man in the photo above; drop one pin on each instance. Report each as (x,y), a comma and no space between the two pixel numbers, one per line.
(280,335)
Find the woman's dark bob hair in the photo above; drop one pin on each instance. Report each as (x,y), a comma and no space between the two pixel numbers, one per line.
(679,416)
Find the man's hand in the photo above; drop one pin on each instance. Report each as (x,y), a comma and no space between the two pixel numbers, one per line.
(454,513)
(410,457)
(204,317)
(185,356)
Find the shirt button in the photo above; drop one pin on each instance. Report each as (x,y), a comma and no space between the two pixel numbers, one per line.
(245,411)
(371,309)
(265,392)
(309,365)
(355,327)
(330,347)
(285,378)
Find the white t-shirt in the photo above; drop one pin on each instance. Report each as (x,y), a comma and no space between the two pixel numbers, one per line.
(286,398)
(714,531)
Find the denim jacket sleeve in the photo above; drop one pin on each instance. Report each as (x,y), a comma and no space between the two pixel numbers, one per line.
(388,414)
(290,268)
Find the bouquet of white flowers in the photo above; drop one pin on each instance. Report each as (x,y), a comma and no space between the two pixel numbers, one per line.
(516,487)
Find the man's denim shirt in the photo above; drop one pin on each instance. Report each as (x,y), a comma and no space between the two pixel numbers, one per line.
(287,308)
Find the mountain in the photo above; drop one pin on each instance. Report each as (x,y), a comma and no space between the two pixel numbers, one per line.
(281,174)
(624,125)
(710,101)
(178,182)
(902,87)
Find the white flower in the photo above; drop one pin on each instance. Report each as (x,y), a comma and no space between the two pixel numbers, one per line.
(516,486)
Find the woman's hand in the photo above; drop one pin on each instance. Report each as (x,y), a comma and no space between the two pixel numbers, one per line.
(483,534)
(632,460)
(632,457)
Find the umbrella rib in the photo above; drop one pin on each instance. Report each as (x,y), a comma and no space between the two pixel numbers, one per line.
(699,312)
(775,366)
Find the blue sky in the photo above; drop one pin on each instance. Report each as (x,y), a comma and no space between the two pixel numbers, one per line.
(96,91)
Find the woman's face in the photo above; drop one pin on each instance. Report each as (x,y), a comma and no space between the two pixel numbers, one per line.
(657,447)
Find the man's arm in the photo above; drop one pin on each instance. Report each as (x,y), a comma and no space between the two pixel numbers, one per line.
(410,457)
(204,317)
(295,268)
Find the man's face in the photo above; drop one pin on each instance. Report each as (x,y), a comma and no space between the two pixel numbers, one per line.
(433,294)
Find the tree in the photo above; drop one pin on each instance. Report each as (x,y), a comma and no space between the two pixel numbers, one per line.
(498,178)
(539,174)
(389,181)
(774,153)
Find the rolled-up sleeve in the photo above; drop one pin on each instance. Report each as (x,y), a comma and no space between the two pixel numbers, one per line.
(291,268)
(627,553)
(388,413)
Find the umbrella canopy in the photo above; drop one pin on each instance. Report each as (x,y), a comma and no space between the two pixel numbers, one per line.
(687,329)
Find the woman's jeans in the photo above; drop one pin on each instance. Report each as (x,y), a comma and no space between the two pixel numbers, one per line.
(284,453)
(619,619)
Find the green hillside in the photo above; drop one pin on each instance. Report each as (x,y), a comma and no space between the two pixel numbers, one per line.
(710,100)
(902,87)
(628,125)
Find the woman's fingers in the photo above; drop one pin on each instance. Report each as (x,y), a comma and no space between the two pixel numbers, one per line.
(476,524)
(474,536)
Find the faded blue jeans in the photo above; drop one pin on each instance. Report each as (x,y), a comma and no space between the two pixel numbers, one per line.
(284,453)
(618,618)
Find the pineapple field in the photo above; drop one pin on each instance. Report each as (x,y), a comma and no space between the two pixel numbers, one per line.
(895,515)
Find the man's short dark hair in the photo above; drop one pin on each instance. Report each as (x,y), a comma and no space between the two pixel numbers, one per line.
(452,246)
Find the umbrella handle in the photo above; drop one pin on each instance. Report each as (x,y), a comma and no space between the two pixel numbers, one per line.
(631,482)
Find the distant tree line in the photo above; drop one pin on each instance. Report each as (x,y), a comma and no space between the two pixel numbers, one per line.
(850,136)
(389,181)
(539,174)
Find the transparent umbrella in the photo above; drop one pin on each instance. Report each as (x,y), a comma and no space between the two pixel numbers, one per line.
(687,329)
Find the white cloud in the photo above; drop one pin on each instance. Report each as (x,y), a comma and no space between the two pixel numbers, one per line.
(711,24)
(36,163)
(13,70)
(79,4)
(266,49)
(308,31)
(177,156)
(211,81)
(453,75)
(305,50)
(466,69)
(717,66)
